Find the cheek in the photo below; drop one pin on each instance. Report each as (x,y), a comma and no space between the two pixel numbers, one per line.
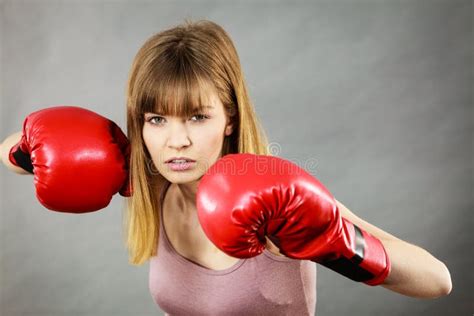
(210,139)
(208,146)
(147,139)
(152,143)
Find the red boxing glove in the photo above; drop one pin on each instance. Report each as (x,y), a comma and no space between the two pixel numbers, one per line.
(79,158)
(243,197)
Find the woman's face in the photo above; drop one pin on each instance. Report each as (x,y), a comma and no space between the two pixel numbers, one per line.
(199,137)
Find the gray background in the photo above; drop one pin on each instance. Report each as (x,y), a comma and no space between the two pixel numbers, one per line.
(377,93)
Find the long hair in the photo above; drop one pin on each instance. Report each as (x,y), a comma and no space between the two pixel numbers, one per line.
(170,74)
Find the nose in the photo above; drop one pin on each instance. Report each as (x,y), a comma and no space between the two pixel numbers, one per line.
(178,137)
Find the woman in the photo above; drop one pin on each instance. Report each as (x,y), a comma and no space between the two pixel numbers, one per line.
(174,75)
(187,106)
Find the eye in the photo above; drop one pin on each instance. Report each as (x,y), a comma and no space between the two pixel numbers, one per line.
(151,118)
(201,117)
(159,120)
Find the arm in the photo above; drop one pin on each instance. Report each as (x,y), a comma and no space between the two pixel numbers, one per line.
(415,272)
(5,147)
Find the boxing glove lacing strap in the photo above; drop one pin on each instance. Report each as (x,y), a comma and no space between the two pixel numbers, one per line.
(349,267)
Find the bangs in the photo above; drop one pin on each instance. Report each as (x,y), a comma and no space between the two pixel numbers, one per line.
(181,92)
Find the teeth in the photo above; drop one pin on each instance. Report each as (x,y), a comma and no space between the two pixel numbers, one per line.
(179,161)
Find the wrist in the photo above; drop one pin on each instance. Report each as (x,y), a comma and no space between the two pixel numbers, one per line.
(5,148)
(359,256)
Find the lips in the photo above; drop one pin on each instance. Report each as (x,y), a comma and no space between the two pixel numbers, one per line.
(180,159)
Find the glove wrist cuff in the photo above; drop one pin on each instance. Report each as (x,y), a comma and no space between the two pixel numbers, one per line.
(20,158)
(364,259)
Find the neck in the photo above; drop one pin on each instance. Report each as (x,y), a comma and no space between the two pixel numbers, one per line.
(186,197)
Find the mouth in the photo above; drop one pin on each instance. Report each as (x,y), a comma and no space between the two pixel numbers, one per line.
(180,164)
(179,160)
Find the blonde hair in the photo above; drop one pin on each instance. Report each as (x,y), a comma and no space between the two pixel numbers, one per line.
(170,74)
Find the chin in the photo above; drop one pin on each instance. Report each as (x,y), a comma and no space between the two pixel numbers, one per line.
(183,178)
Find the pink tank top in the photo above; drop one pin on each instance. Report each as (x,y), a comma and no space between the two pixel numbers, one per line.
(264,285)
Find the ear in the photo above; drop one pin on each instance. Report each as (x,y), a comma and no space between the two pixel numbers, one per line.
(229,129)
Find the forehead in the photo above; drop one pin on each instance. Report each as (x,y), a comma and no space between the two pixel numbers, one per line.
(211,103)
(182,98)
